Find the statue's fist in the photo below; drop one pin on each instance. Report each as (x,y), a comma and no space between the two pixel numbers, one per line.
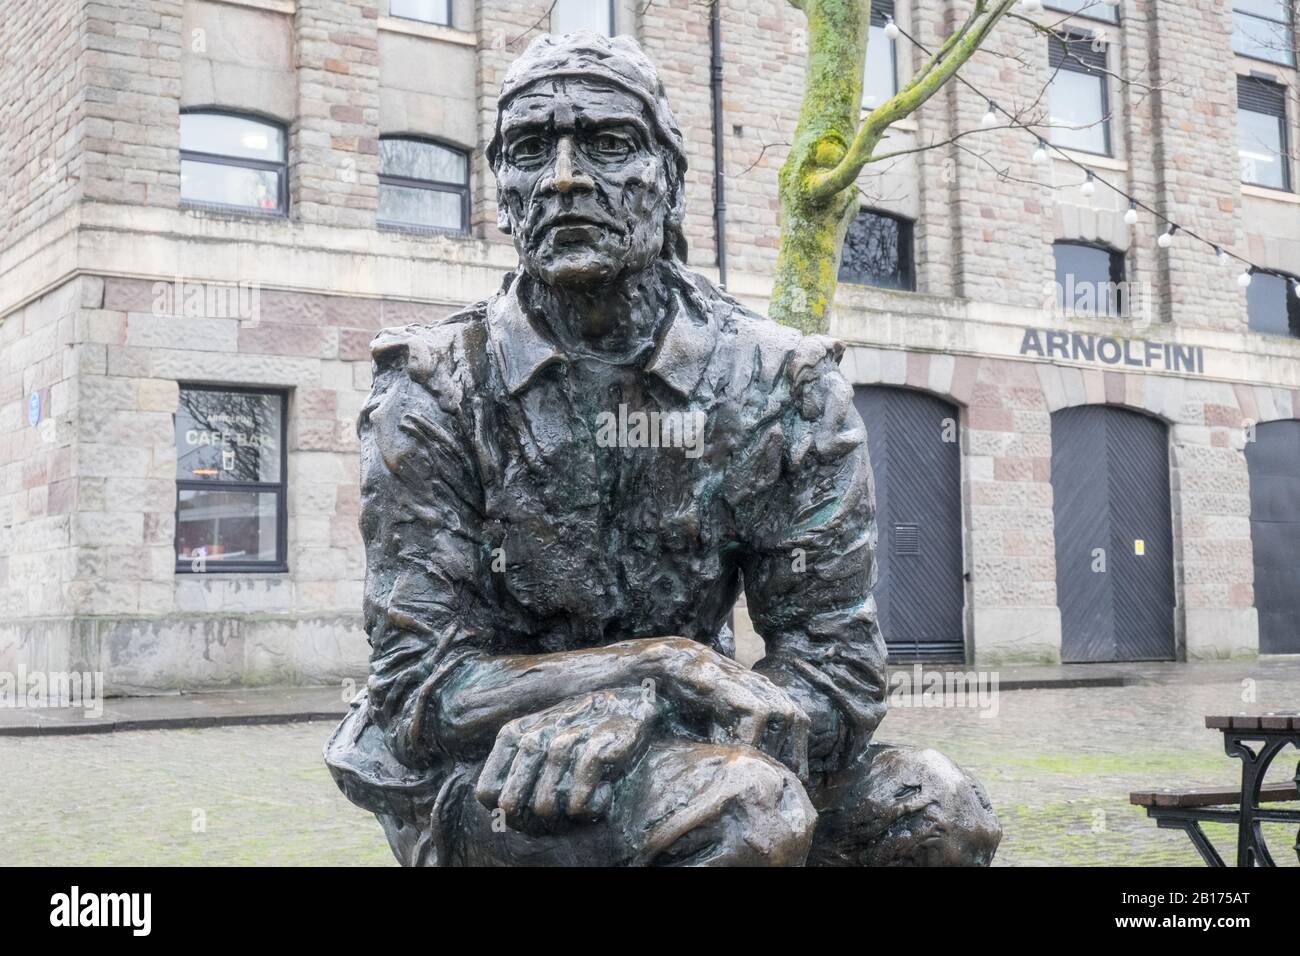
(561,763)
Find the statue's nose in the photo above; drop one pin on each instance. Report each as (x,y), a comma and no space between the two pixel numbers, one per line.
(565,177)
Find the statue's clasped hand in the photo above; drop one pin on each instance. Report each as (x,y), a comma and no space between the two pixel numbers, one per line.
(560,763)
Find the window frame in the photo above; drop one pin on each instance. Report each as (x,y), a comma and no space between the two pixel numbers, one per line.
(1289,24)
(613,25)
(447,5)
(280,488)
(1112,19)
(907,264)
(881,9)
(434,185)
(1086,37)
(281,168)
(1118,277)
(1283,124)
(1290,301)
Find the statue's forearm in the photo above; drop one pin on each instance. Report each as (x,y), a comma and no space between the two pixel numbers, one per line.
(488,692)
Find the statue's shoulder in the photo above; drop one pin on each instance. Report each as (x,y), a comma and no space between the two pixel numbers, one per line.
(776,350)
(450,344)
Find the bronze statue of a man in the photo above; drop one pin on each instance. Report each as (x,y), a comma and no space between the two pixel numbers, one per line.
(563,489)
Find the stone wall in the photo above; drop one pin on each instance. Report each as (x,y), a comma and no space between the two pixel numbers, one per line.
(41,112)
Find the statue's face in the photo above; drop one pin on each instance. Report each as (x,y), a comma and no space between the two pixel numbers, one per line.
(583,186)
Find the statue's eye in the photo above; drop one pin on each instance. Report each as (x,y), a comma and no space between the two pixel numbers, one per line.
(610,145)
(529,149)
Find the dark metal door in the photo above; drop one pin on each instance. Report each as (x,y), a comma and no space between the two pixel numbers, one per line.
(913,442)
(1274,462)
(1114,535)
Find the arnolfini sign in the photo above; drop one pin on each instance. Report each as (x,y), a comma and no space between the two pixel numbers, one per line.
(1112,350)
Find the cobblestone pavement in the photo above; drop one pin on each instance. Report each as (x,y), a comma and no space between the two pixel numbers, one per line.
(1058,764)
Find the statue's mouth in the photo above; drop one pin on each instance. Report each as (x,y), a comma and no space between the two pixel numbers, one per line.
(575,227)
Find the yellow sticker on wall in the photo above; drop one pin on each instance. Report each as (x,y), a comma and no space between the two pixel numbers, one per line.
(1139,547)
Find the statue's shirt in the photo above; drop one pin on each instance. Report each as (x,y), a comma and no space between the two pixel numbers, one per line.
(516,500)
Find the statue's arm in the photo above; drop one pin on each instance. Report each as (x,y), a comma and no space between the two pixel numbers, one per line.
(811,566)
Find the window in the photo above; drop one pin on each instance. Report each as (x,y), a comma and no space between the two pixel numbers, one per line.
(569,16)
(878,251)
(1261,29)
(1095,9)
(230,479)
(1261,133)
(428,11)
(1089,279)
(423,184)
(1078,100)
(880,75)
(1273,306)
(233,162)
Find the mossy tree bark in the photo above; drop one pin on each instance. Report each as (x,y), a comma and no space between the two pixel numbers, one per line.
(818,183)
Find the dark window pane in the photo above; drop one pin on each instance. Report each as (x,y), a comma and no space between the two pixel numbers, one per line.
(1088,8)
(878,251)
(414,159)
(226,525)
(568,16)
(421,207)
(230,185)
(1261,147)
(228,436)
(1076,103)
(430,11)
(880,80)
(1272,306)
(235,136)
(1089,279)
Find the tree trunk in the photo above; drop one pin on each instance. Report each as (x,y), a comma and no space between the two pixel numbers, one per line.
(812,229)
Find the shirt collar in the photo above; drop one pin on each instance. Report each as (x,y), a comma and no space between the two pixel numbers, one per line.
(523,350)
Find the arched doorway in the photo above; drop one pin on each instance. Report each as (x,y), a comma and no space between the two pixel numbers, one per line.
(1273,459)
(913,442)
(1114,535)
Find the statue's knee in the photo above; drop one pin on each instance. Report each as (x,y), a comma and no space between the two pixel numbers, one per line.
(750,811)
(908,808)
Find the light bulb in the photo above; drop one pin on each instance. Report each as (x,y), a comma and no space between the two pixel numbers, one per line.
(1131,216)
(1033,6)
(891,29)
(1243,280)
(990,118)
(1088,188)
(1040,156)
(1222,256)
(1166,240)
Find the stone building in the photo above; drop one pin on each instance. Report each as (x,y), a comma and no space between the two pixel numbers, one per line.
(210,206)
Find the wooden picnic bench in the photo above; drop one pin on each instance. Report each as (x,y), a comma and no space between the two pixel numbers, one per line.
(1254,740)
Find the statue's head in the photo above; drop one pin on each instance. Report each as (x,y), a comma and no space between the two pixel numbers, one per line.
(588,160)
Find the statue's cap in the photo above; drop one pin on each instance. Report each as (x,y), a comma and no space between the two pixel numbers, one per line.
(618,61)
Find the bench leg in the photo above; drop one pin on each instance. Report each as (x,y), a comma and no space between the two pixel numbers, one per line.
(1199,840)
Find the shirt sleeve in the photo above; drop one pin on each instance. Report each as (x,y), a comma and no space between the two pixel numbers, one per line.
(421,518)
(810,557)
